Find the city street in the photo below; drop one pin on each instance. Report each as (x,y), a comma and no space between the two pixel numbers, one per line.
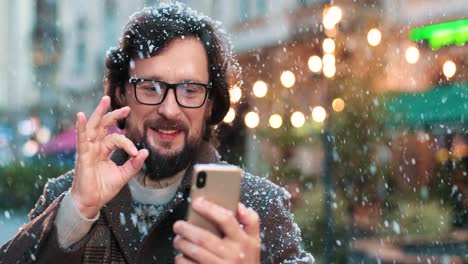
(347,119)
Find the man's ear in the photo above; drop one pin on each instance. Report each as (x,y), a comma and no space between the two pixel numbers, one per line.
(209,108)
(119,95)
(119,102)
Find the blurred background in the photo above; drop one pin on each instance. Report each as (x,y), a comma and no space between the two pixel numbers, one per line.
(358,108)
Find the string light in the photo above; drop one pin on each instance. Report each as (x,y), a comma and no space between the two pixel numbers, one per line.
(319,114)
(297,119)
(329,70)
(315,64)
(251,120)
(331,17)
(328,59)
(374,36)
(288,79)
(235,94)
(328,45)
(449,69)
(230,116)
(338,104)
(275,121)
(412,55)
(260,89)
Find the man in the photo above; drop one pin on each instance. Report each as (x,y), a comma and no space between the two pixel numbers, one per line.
(126,199)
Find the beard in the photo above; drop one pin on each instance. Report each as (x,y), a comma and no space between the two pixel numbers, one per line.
(158,166)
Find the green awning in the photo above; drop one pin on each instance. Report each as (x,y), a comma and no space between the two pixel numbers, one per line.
(443,108)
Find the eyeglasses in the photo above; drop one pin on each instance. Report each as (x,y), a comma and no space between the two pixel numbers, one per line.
(153,92)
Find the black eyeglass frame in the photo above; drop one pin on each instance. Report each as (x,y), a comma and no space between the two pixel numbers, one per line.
(173,86)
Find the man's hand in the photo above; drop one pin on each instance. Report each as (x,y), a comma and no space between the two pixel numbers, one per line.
(241,244)
(97,178)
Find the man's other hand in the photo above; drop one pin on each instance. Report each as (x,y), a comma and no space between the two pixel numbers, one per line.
(240,244)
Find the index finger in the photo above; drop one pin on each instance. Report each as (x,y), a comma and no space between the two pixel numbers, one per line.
(81,136)
(220,216)
(97,115)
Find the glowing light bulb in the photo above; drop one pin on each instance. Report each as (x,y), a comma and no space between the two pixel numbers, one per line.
(297,119)
(336,13)
(260,89)
(235,94)
(329,70)
(328,59)
(319,114)
(275,121)
(328,45)
(374,36)
(412,55)
(331,17)
(315,64)
(288,79)
(231,114)
(449,69)
(252,120)
(338,104)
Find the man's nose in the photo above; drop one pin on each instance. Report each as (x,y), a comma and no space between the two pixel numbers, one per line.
(169,107)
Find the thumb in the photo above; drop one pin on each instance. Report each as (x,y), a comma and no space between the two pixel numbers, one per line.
(134,165)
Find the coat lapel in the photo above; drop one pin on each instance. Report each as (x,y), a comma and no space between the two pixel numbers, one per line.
(121,217)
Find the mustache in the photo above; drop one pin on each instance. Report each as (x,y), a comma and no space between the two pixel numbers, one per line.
(165,124)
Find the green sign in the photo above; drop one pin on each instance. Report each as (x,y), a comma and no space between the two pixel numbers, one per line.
(454,32)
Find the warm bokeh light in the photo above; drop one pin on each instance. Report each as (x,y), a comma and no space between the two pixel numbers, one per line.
(328,23)
(251,120)
(412,55)
(260,88)
(297,119)
(328,59)
(331,16)
(43,135)
(315,63)
(374,37)
(329,70)
(235,94)
(30,148)
(319,114)
(231,114)
(275,121)
(336,13)
(328,45)
(449,69)
(288,79)
(338,104)
(442,155)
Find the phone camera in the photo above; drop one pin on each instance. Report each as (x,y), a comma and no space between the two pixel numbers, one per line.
(201,179)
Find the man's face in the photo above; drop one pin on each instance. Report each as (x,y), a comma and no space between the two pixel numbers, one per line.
(170,132)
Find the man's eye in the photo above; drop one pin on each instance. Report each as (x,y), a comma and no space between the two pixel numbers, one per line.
(191,88)
(151,88)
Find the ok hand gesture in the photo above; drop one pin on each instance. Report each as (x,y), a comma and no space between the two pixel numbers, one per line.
(97,178)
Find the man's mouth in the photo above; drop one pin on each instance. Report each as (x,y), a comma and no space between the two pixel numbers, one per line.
(167,131)
(167,134)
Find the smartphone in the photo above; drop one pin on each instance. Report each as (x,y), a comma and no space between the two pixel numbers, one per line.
(218,183)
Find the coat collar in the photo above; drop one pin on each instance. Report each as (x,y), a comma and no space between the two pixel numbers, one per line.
(120,213)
